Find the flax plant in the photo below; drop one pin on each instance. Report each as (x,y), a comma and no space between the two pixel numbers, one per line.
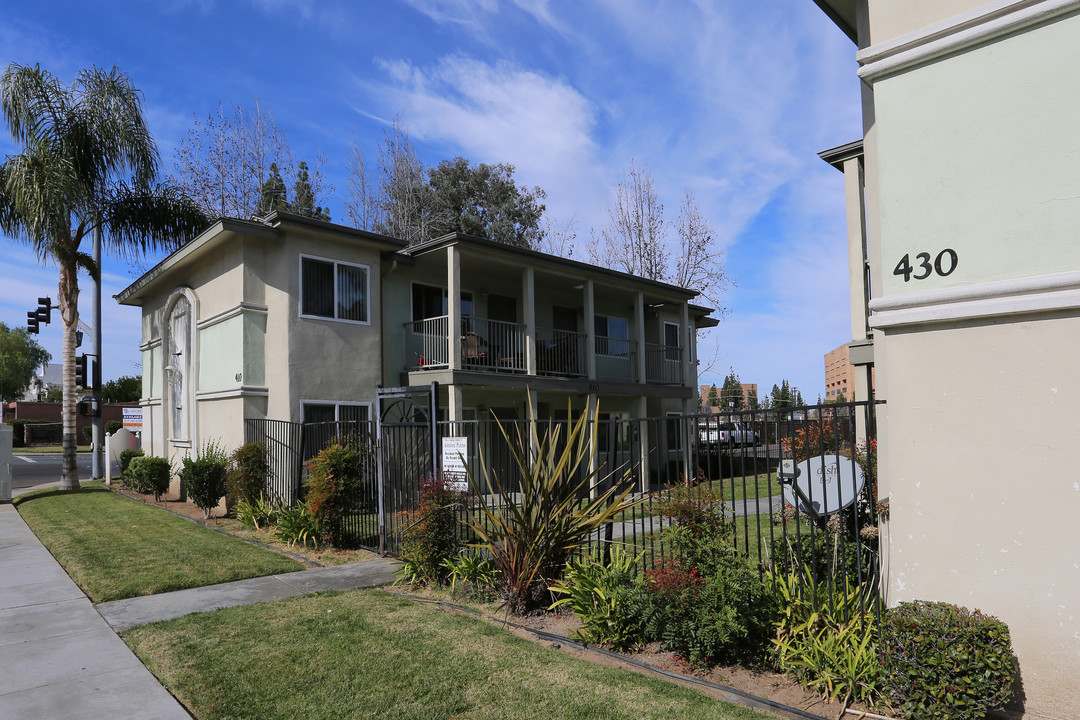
(563,497)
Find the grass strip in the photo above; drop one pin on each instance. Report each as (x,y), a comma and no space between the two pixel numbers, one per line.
(115,548)
(367,653)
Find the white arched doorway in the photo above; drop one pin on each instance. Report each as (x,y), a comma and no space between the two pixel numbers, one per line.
(179,373)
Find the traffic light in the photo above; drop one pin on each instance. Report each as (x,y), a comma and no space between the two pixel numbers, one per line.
(44,311)
(32,322)
(80,371)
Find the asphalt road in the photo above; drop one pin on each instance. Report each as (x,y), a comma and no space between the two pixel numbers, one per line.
(30,470)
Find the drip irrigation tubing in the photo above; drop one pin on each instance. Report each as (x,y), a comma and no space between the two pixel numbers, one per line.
(728,693)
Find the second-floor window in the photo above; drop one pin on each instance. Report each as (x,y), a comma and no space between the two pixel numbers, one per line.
(612,336)
(334,290)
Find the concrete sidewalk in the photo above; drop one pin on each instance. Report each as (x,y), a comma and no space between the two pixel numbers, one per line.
(60,657)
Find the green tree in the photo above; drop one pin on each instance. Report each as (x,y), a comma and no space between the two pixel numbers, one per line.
(303,202)
(483,200)
(272,192)
(88,162)
(713,399)
(126,388)
(785,396)
(20,356)
(731,394)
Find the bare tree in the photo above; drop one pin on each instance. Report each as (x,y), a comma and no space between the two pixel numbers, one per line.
(699,262)
(224,163)
(558,238)
(406,202)
(637,240)
(361,193)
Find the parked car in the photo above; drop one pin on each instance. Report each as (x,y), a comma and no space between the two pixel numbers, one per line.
(725,434)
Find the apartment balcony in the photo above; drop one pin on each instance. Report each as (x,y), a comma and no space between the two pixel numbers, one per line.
(492,346)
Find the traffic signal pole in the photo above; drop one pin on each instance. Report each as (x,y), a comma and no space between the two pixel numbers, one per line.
(97,464)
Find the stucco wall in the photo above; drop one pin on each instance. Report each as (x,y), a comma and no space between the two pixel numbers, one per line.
(979,459)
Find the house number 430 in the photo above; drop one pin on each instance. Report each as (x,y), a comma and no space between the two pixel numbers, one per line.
(943,265)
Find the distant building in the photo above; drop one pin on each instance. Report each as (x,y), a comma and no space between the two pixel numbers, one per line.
(839,374)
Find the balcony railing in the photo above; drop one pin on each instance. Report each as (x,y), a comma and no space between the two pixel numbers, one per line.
(615,359)
(495,346)
(426,342)
(560,352)
(663,364)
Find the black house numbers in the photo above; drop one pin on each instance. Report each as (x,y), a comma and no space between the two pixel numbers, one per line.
(943,265)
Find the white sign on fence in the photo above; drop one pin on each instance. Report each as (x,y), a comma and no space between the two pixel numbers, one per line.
(454,452)
(133,419)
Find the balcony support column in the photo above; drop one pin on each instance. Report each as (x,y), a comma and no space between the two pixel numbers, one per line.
(643,442)
(590,331)
(453,306)
(528,292)
(639,320)
(689,377)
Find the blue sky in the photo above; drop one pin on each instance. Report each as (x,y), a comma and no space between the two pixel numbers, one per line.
(732,100)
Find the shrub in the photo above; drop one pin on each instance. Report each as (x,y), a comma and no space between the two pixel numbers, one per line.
(827,638)
(256,515)
(333,486)
(297,524)
(708,603)
(474,571)
(247,475)
(112,426)
(88,433)
(817,437)
(429,533)
(946,662)
(126,457)
(147,474)
(608,598)
(18,427)
(531,533)
(204,477)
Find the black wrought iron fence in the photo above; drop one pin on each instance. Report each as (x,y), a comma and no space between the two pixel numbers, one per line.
(796,486)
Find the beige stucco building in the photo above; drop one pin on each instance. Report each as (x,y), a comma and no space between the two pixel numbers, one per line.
(294,319)
(963,207)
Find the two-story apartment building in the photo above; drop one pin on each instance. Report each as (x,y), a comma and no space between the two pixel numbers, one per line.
(295,319)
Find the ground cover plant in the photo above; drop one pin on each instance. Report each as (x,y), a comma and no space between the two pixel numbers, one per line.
(115,548)
(370,654)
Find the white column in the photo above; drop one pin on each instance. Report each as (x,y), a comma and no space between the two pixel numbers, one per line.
(455,404)
(590,331)
(453,306)
(528,293)
(639,320)
(534,438)
(643,429)
(591,406)
(7,435)
(689,374)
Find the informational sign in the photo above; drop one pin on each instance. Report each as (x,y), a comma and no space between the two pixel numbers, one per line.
(824,485)
(133,419)
(454,452)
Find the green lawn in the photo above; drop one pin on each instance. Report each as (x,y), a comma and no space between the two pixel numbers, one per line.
(370,654)
(47,449)
(114,548)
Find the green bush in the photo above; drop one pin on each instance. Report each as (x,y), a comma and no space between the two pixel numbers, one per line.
(297,524)
(88,433)
(204,477)
(112,426)
(945,662)
(248,471)
(147,474)
(18,435)
(709,603)
(333,487)
(126,457)
(429,533)
(608,598)
(258,514)
(828,637)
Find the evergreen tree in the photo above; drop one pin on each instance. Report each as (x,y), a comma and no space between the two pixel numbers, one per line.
(731,395)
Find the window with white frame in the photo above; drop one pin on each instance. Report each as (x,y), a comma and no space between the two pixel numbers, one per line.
(333,290)
(612,335)
(316,411)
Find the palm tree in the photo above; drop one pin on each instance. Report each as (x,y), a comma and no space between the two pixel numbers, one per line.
(88,161)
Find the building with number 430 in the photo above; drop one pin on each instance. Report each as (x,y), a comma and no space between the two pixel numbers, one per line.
(964,213)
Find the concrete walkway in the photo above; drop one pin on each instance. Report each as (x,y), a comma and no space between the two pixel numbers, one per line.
(60,659)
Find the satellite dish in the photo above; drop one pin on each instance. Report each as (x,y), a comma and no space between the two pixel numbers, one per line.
(824,485)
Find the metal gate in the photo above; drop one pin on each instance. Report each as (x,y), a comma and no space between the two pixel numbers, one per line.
(405,424)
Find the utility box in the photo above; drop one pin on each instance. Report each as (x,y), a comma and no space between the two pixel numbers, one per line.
(6,435)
